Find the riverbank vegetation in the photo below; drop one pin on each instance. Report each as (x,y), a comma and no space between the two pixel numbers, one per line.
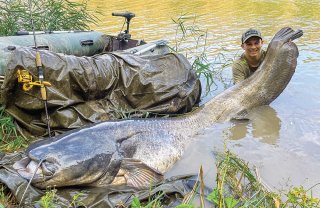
(240,186)
(237,185)
(191,40)
(47,15)
(10,139)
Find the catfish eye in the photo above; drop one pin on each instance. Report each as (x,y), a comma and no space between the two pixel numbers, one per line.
(48,168)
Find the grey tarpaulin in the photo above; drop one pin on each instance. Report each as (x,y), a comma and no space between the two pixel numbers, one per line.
(174,189)
(91,89)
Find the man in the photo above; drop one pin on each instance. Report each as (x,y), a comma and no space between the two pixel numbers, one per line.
(250,60)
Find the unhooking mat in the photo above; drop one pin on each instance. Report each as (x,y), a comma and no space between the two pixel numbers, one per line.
(87,90)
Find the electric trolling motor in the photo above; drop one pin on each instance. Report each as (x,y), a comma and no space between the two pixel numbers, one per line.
(124,36)
(123,40)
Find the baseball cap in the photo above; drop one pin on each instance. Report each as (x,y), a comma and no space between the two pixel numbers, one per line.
(250,33)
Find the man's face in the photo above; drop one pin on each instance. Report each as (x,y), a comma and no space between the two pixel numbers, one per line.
(252,47)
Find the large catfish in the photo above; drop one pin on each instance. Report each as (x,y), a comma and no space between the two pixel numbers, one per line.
(136,152)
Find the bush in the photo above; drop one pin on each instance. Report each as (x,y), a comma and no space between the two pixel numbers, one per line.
(47,15)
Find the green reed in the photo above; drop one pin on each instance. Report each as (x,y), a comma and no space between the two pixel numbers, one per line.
(239,186)
(192,41)
(48,15)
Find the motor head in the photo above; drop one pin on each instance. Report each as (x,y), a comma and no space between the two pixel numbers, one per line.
(127,15)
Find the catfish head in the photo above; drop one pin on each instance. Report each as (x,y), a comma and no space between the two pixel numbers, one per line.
(71,159)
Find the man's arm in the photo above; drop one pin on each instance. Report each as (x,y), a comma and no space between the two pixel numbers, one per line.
(238,72)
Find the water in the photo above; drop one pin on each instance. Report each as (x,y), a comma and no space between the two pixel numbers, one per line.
(283,139)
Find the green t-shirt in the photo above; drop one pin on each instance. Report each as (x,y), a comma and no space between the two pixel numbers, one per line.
(241,69)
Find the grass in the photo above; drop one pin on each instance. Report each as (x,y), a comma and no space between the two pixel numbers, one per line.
(48,15)
(239,186)
(122,113)
(236,185)
(76,201)
(186,31)
(6,197)
(48,200)
(153,202)
(10,139)
(191,40)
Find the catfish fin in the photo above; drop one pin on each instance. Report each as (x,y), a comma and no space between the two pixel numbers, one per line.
(140,175)
(242,115)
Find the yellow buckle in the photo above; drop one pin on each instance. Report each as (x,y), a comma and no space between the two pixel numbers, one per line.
(25,78)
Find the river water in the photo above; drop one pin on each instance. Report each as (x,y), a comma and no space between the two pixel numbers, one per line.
(282,140)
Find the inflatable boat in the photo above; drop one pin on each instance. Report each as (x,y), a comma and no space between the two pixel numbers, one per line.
(78,43)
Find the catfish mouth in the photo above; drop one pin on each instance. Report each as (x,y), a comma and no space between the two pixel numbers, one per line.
(33,170)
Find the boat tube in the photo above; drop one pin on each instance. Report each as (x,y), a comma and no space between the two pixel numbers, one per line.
(84,43)
(77,43)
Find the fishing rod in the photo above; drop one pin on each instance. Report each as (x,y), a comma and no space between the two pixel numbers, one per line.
(43,89)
